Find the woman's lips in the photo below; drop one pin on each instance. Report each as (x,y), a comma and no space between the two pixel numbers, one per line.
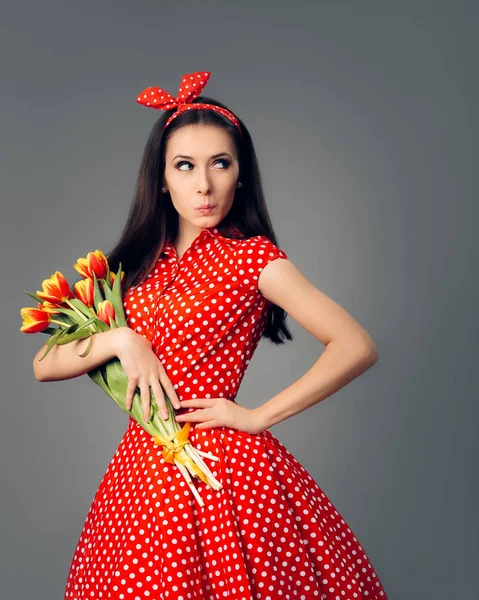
(204,210)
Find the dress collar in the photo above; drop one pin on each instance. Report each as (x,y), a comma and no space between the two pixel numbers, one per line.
(169,249)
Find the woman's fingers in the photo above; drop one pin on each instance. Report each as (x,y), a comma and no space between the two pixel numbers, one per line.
(196,415)
(159,398)
(130,392)
(170,391)
(145,400)
(155,390)
(204,402)
(168,387)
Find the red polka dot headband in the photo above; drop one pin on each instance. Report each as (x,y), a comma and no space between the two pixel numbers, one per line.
(190,88)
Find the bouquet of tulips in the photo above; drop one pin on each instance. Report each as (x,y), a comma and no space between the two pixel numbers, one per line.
(95,305)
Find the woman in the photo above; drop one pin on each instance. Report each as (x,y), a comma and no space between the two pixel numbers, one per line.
(205,280)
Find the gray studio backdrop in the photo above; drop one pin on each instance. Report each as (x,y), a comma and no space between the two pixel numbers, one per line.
(364,116)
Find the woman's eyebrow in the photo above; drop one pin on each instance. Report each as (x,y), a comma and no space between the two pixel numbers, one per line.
(191,157)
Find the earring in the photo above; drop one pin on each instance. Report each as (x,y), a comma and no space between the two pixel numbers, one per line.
(239,184)
(163,189)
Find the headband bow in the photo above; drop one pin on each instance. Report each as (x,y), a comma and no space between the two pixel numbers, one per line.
(190,88)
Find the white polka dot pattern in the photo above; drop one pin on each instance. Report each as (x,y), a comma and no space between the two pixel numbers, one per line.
(270,532)
(191,86)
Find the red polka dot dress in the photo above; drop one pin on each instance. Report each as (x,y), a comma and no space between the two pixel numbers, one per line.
(270,533)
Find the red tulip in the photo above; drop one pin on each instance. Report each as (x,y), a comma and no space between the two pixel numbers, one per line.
(106,311)
(34,319)
(84,291)
(56,289)
(51,309)
(95,262)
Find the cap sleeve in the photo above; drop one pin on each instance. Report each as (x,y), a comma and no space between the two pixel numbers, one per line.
(257,253)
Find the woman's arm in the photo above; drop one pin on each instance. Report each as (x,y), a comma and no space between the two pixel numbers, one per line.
(349,352)
(63,362)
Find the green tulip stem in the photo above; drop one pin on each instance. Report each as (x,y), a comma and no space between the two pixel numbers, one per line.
(58,322)
(84,317)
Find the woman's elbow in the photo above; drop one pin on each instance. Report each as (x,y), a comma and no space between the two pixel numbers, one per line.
(371,354)
(374,355)
(367,349)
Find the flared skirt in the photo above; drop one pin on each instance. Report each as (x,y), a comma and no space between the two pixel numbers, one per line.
(269,533)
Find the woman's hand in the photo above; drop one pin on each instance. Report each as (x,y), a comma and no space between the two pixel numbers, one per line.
(144,370)
(220,412)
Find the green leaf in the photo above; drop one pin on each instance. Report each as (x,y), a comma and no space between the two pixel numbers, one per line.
(88,348)
(49,330)
(97,295)
(64,318)
(72,315)
(91,320)
(81,307)
(111,377)
(107,291)
(74,332)
(101,325)
(52,341)
(34,296)
(97,377)
(106,280)
(69,329)
(116,300)
(117,304)
(73,337)
(116,379)
(86,324)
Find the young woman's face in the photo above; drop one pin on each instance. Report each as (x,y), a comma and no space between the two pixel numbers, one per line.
(201,170)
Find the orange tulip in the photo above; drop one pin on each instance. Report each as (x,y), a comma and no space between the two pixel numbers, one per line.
(34,319)
(56,289)
(84,291)
(106,311)
(95,262)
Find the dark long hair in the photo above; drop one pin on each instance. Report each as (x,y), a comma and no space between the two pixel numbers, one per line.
(152,218)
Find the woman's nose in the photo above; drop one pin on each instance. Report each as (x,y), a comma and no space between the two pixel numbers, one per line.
(203,182)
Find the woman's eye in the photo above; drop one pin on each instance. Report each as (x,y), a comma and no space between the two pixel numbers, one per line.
(185,162)
(224,161)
